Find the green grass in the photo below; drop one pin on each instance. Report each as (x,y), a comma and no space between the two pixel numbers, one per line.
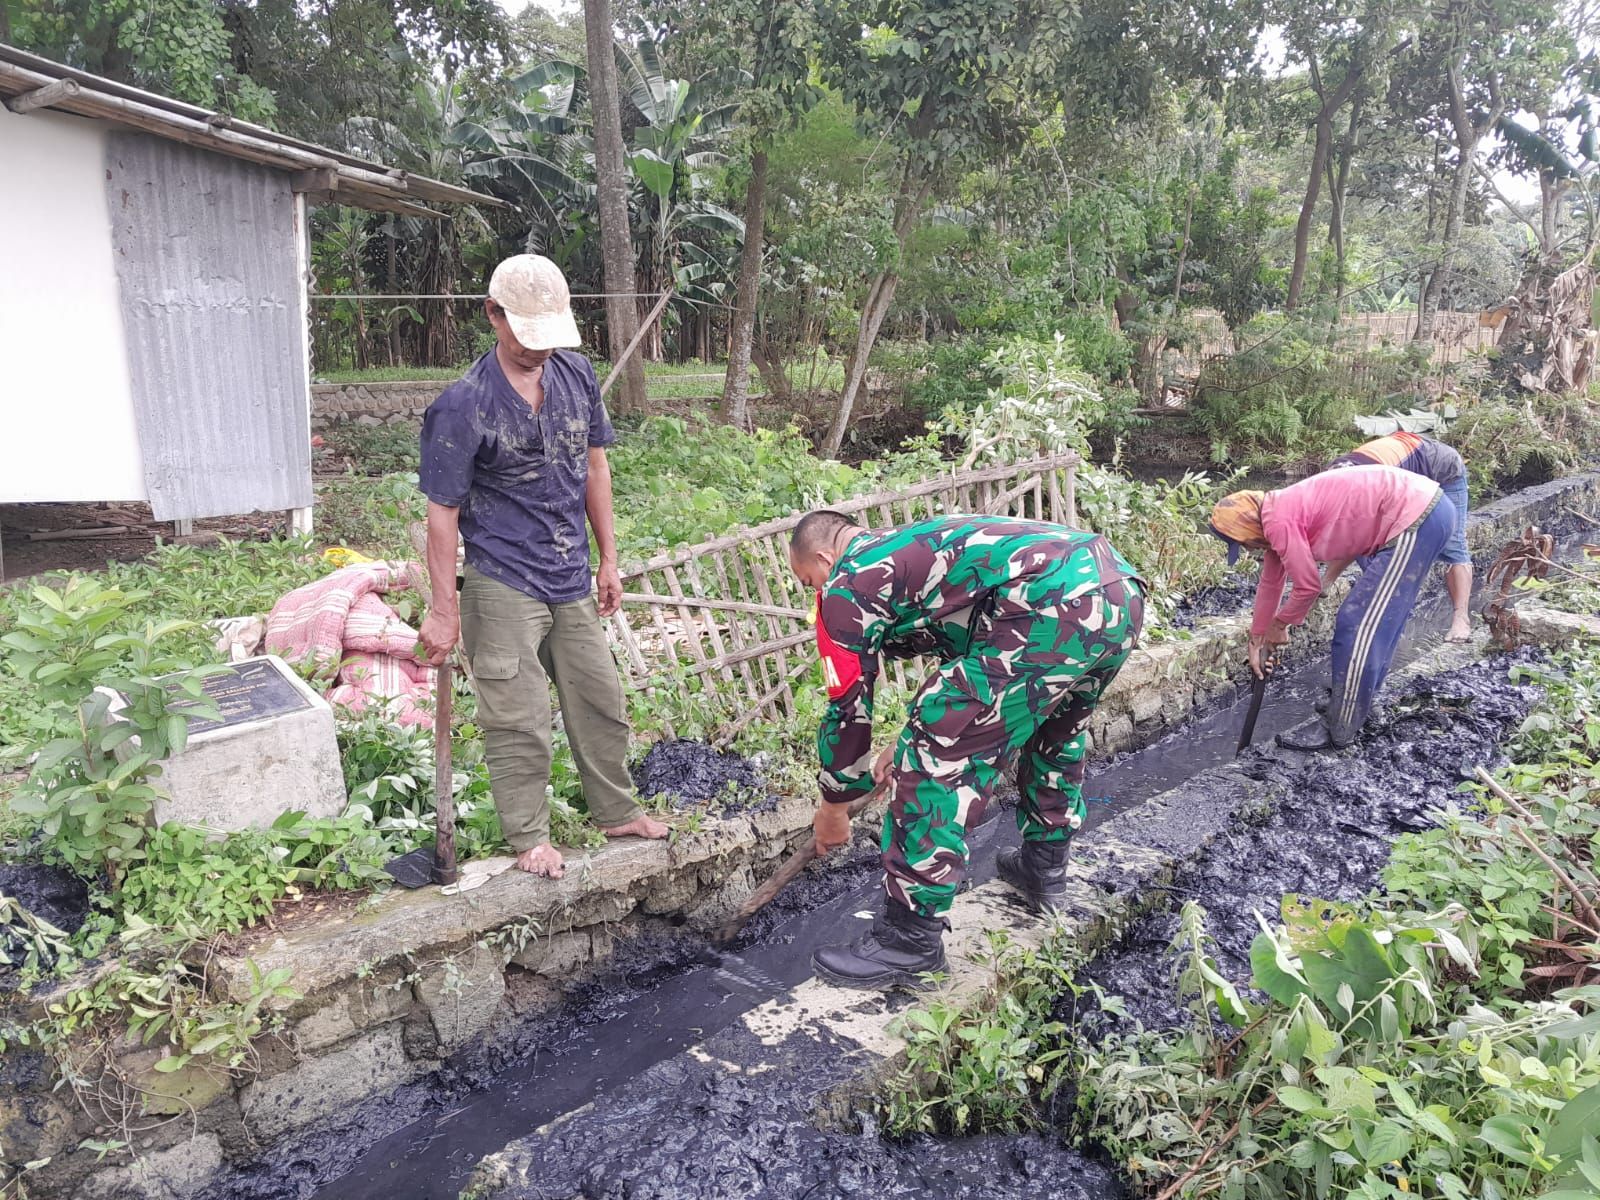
(392,375)
(666,381)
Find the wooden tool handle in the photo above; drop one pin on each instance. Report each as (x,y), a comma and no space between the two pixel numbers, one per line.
(444,800)
(798,861)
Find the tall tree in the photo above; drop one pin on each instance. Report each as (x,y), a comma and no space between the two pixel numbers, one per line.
(954,81)
(771,43)
(1476,62)
(611,178)
(1340,44)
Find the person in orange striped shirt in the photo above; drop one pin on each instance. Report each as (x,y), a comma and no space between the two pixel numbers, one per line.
(1432,460)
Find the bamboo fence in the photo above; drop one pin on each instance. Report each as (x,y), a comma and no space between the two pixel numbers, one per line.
(729,616)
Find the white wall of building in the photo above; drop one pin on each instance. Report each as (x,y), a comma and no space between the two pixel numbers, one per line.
(66,413)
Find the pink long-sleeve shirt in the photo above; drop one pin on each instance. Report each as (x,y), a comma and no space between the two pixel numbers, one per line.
(1332,517)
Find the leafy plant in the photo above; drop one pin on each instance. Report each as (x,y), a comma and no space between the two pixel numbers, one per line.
(91,788)
(190,879)
(984,1068)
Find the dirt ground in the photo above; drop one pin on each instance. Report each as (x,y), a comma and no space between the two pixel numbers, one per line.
(103,533)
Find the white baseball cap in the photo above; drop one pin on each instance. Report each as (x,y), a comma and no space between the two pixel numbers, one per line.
(538,306)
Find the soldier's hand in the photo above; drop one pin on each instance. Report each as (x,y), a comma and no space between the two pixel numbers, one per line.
(830,827)
(883,764)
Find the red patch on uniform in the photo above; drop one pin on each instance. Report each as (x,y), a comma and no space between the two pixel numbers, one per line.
(840,668)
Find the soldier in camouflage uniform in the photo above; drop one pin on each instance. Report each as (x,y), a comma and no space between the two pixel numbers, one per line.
(1030,623)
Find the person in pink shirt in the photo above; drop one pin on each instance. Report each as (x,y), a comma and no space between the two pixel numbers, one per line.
(1393,521)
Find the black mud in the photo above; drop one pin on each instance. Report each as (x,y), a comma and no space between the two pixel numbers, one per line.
(690,1130)
(1330,835)
(49,893)
(693,774)
(1226,599)
(552,1063)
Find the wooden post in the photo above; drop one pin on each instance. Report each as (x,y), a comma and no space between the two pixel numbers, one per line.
(300,522)
(444,797)
(183,527)
(644,328)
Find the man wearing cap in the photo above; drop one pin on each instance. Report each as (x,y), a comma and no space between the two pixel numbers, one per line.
(513,457)
(1393,521)
(1432,460)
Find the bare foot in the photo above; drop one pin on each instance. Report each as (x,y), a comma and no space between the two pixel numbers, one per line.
(644,826)
(1460,630)
(542,860)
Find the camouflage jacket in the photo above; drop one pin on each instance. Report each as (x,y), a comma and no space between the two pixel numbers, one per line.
(936,587)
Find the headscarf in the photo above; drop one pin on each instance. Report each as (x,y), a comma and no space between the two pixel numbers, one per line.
(1236,519)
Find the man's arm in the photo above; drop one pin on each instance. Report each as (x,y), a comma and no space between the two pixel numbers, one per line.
(441,628)
(602,519)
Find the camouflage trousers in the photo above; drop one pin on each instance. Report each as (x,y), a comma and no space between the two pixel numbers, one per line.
(1023,692)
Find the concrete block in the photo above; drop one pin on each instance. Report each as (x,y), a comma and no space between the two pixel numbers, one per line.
(462,996)
(327,1026)
(273,751)
(1147,705)
(1551,627)
(1119,735)
(177,1173)
(174,1093)
(556,956)
(370,1065)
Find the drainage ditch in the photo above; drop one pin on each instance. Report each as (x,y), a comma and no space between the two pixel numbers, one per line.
(641,1066)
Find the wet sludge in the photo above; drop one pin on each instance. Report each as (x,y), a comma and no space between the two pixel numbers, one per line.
(1329,836)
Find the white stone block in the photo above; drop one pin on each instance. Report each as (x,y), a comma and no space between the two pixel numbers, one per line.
(274,751)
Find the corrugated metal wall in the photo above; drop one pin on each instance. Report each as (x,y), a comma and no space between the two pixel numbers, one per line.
(211,306)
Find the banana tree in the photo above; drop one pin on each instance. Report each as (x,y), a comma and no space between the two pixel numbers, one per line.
(673,156)
(527,149)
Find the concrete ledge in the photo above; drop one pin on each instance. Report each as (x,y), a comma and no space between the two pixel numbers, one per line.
(1545,626)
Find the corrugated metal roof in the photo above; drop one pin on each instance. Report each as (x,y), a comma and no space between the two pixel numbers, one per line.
(343,177)
(212,302)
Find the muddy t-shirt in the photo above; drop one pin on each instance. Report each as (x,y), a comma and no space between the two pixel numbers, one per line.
(520,478)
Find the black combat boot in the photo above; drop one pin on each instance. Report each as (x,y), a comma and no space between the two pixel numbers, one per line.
(1039,871)
(898,950)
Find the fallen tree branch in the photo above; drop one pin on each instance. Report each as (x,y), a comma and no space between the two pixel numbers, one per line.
(1176,1186)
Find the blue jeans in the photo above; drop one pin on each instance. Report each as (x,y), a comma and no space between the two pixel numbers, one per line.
(1455,550)
(1367,630)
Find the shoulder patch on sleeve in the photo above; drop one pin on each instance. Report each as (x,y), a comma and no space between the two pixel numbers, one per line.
(840,667)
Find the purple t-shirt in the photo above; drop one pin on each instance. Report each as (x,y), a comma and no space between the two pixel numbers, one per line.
(519,478)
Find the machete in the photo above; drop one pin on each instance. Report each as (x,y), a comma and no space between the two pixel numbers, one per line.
(1258,691)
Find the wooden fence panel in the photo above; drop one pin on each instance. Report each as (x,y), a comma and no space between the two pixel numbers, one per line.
(728,616)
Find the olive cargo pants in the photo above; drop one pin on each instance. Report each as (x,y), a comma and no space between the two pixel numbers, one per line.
(517,646)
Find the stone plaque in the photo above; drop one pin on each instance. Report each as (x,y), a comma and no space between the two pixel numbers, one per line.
(249,691)
(274,750)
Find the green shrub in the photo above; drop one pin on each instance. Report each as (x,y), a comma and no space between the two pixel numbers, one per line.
(1441,1039)
(191,879)
(92,785)
(1508,443)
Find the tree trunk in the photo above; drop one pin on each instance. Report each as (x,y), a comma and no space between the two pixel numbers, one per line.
(1152,380)
(913,195)
(1331,104)
(1468,133)
(616,245)
(735,407)
(774,379)
(1428,302)
(393,266)
(1339,188)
